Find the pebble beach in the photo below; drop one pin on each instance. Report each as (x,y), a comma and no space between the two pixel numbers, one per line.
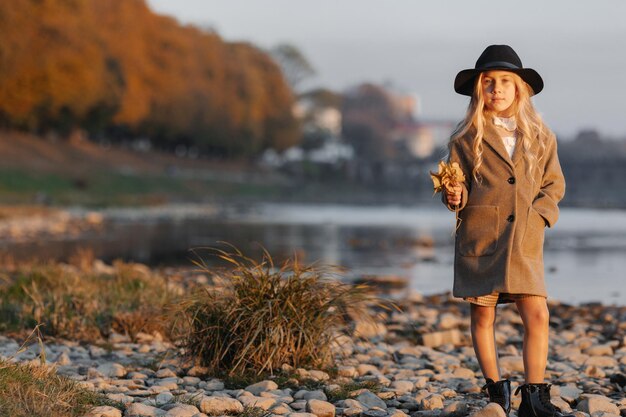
(419,359)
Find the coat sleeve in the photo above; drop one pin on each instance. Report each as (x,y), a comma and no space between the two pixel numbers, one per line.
(552,185)
(457,154)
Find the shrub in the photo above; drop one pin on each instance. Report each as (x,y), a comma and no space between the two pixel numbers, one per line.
(257,317)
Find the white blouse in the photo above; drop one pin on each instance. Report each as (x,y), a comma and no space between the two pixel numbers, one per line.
(508,124)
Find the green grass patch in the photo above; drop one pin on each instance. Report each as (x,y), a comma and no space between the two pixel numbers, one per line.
(13,181)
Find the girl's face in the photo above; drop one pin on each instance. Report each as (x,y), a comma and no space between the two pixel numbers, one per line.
(499,92)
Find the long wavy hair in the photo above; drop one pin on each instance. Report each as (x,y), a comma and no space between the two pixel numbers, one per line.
(530,126)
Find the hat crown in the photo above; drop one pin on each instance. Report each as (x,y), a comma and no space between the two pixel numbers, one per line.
(498,56)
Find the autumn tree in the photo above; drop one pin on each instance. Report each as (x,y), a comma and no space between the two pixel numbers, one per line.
(114,66)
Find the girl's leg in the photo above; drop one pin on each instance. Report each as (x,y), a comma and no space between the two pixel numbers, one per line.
(535,316)
(483,338)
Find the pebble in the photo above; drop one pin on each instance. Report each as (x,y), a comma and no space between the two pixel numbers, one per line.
(143,410)
(104,411)
(594,404)
(490,410)
(320,408)
(183,410)
(262,386)
(220,405)
(431,373)
(371,400)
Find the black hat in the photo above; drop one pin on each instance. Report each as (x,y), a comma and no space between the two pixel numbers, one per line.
(497,57)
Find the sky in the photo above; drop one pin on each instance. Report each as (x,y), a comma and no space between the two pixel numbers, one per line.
(578,47)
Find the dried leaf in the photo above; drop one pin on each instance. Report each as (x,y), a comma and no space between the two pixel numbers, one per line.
(449,176)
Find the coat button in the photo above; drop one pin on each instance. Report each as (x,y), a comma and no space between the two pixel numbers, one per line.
(510,219)
(511,180)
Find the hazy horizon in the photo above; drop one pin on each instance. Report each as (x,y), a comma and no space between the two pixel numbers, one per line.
(419,47)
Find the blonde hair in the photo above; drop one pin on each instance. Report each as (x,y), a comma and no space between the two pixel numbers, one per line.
(530,127)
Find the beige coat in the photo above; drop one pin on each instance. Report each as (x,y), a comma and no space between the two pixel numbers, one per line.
(499,243)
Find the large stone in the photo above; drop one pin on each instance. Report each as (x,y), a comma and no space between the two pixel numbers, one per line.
(367,369)
(354,404)
(198,371)
(569,393)
(435,339)
(262,386)
(594,372)
(369,329)
(347,371)
(220,405)
(402,387)
(169,384)
(512,364)
(490,410)
(374,413)
(463,373)
(319,375)
(599,350)
(259,402)
(562,404)
(164,397)
(111,370)
(448,321)
(594,403)
(183,410)
(371,400)
(143,410)
(104,411)
(432,402)
(165,373)
(601,362)
(456,407)
(212,385)
(313,395)
(320,408)
(396,413)
(281,409)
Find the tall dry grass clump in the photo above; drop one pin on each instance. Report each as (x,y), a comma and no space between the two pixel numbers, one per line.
(259,316)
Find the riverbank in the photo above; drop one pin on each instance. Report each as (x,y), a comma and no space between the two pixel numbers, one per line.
(417,361)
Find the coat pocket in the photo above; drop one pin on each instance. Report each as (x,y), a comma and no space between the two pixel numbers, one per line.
(478,233)
(532,244)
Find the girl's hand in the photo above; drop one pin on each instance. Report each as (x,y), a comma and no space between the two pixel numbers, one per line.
(454,198)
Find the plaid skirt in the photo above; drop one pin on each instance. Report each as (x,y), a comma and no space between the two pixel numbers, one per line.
(495,298)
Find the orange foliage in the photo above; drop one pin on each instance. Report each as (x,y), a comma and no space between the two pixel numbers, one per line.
(103,64)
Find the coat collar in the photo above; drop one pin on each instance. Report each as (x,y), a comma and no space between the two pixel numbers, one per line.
(493,139)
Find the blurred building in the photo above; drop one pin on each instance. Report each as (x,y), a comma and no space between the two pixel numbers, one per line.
(422,138)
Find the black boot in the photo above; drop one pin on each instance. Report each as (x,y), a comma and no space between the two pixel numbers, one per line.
(536,402)
(500,393)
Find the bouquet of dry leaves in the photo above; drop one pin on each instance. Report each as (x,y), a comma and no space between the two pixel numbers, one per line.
(448,177)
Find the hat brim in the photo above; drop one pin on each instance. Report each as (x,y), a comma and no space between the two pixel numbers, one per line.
(464,81)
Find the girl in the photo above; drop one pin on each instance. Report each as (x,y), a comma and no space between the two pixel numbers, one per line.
(513,185)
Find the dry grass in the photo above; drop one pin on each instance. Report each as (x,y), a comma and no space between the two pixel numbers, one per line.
(37,391)
(80,304)
(258,316)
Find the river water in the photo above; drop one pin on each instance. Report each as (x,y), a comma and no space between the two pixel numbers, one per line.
(585,253)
